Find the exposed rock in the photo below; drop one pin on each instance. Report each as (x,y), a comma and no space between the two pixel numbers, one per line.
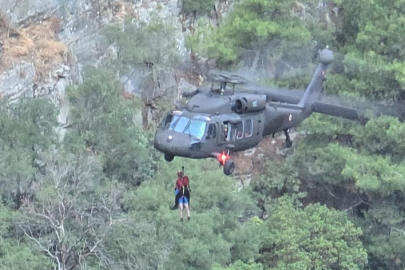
(61,72)
(17,82)
(249,152)
(59,97)
(81,29)
(23,12)
(82,32)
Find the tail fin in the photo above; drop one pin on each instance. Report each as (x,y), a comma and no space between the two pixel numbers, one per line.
(314,89)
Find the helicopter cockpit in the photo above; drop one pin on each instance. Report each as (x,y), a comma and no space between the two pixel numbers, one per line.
(186,134)
(183,134)
(194,126)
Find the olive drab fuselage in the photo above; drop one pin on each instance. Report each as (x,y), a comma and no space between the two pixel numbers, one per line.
(225,129)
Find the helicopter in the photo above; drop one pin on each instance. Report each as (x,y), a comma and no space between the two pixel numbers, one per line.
(219,122)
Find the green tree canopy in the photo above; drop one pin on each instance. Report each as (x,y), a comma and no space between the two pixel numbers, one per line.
(213,234)
(311,238)
(253,26)
(374,35)
(27,128)
(198,6)
(239,265)
(105,124)
(17,253)
(154,42)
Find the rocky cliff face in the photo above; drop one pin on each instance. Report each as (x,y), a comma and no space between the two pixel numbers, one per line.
(46,43)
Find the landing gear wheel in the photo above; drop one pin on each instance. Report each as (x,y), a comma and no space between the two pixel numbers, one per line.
(288,142)
(229,167)
(168,157)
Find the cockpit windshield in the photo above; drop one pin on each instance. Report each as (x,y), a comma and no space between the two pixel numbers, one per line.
(181,124)
(196,128)
(193,127)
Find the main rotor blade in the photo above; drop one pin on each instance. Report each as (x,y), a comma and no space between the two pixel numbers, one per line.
(342,106)
(275,94)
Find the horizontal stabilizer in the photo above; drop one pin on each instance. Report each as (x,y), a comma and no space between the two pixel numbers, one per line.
(335,110)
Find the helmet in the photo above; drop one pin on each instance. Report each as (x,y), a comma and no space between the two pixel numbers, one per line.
(179,173)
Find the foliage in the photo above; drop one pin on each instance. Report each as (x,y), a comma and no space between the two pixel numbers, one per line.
(384,238)
(372,155)
(73,210)
(335,164)
(27,127)
(339,153)
(373,35)
(383,136)
(214,233)
(66,209)
(278,178)
(17,254)
(322,239)
(375,173)
(105,125)
(239,265)
(153,41)
(199,6)
(253,25)
(134,243)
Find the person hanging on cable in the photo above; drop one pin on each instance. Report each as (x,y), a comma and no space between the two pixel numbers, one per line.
(182,194)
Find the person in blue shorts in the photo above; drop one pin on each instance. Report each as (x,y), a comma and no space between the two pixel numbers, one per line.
(182,185)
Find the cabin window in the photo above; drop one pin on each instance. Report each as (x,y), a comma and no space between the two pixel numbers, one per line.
(212,131)
(227,131)
(239,130)
(248,127)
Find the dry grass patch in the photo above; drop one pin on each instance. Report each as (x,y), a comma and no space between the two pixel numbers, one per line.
(37,43)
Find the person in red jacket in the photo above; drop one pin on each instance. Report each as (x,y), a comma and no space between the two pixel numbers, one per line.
(182,192)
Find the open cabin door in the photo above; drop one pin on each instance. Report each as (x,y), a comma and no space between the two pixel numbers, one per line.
(228,131)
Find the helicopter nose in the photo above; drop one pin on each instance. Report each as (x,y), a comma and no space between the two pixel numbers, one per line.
(170,142)
(160,138)
(178,144)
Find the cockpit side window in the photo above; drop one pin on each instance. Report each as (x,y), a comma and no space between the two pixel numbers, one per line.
(212,131)
(173,122)
(168,118)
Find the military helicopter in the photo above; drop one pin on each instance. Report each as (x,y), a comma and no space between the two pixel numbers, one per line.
(220,122)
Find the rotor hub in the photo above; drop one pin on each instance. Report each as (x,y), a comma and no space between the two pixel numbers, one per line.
(326,56)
